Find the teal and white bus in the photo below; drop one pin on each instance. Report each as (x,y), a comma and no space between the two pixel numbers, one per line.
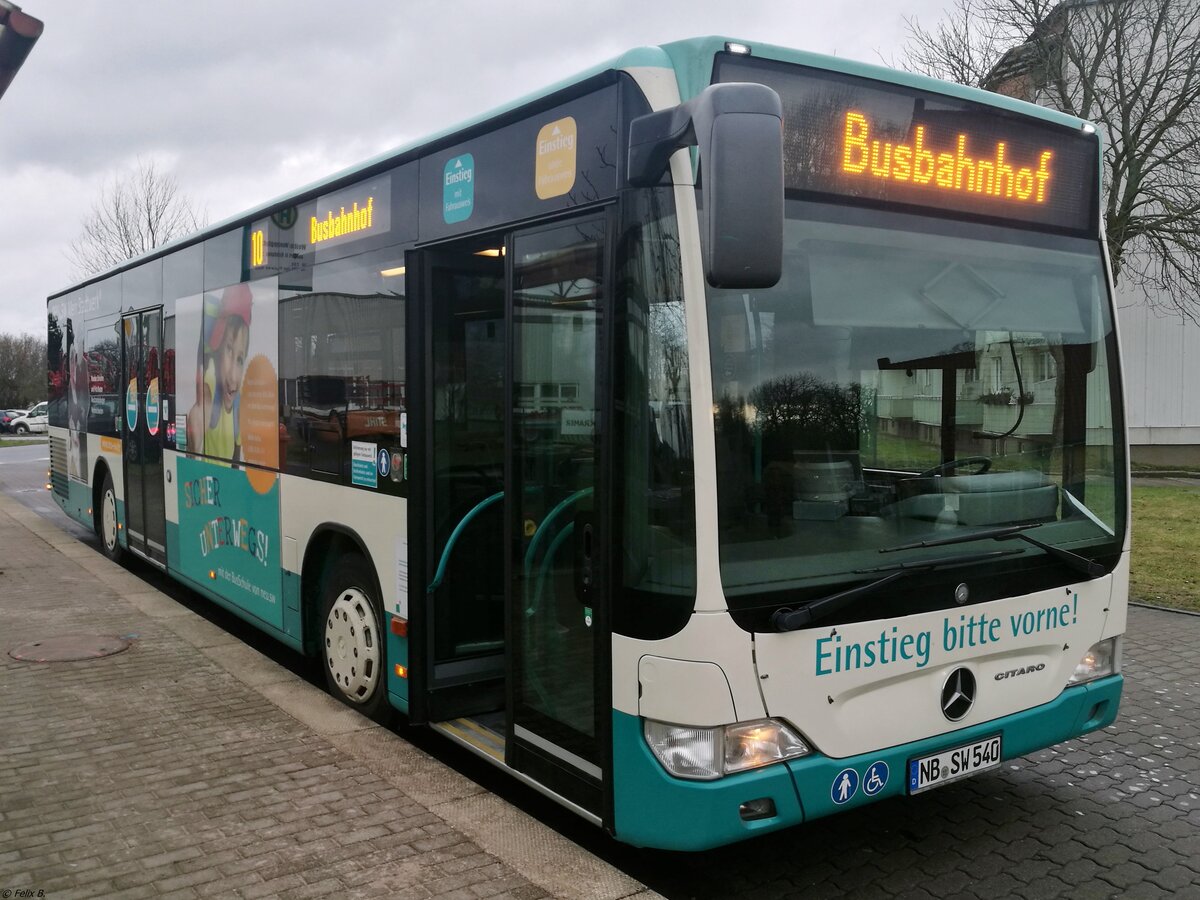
(720,439)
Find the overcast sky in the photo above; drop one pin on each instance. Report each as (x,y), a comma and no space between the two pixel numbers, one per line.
(244,101)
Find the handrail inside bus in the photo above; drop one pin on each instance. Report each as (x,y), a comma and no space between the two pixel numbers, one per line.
(544,568)
(479,507)
(542,531)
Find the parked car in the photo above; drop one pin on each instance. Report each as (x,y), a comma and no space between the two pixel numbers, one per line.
(7,416)
(34,420)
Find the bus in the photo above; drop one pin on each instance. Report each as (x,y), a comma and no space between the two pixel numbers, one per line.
(723,438)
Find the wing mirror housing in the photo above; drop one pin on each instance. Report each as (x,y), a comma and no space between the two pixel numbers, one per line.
(738,129)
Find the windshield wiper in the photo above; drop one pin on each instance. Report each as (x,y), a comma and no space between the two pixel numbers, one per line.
(792,619)
(1080,564)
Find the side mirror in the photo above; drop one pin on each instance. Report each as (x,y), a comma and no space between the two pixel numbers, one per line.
(738,129)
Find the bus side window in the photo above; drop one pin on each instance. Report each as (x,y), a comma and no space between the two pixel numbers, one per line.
(342,367)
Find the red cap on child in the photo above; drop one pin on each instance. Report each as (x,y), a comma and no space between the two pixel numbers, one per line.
(235,301)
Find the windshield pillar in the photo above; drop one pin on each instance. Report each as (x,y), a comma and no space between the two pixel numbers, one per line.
(949,411)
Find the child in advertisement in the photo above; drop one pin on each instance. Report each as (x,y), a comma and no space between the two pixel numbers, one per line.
(213,422)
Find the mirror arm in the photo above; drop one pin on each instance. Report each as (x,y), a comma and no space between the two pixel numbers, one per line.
(652,140)
(655,136)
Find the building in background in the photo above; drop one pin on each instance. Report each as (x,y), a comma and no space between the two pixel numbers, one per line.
(1161,345)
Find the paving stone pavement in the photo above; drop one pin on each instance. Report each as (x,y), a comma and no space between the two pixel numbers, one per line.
(189,766)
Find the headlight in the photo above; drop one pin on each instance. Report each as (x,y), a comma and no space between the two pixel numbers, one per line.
(702,754)
(1099,661)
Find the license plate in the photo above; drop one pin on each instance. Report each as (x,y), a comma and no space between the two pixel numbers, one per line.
(932,771)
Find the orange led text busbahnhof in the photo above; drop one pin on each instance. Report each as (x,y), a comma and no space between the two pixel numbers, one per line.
(941,169)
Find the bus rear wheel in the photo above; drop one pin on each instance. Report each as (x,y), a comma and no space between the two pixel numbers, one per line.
(106,521)
(353,654)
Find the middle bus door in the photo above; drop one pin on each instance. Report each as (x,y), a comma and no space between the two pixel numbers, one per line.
(142,434)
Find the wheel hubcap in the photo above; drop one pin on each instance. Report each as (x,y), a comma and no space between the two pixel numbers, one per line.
(352,645)
(108,519)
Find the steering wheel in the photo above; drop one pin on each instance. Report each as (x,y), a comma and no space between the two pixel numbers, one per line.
(984,463)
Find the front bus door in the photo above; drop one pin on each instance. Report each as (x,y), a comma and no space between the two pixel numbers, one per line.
(509,653)
(558,649)
(142,433)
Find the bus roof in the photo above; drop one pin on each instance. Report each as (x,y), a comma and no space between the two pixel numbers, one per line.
(691,60)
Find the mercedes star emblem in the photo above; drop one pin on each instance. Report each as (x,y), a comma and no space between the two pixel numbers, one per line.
(958,694)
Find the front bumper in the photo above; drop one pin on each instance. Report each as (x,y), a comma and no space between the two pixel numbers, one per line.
(654,809)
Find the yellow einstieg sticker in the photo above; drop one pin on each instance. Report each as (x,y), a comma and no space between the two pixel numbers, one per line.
(110,445)
(554,174)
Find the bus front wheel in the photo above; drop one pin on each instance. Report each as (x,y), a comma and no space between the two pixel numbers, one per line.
(106,521)
(352,638)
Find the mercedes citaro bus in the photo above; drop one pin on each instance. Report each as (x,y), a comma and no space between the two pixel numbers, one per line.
(722,438)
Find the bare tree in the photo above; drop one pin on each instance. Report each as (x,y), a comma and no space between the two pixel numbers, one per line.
(137,211)
(1132,67)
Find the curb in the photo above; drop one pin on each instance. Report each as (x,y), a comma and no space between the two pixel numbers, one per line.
(1141,604)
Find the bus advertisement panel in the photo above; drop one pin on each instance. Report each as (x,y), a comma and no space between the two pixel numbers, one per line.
(228,423)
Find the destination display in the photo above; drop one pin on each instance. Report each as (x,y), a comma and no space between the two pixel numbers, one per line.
(881,143)
(372,213)
(352,213)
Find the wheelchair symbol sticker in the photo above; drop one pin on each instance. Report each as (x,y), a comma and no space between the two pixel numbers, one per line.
(845,786)
(876,778)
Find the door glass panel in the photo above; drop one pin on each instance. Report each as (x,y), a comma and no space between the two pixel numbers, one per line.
(557,290)
(467,456)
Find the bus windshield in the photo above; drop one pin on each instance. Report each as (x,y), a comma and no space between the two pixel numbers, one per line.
(911,380)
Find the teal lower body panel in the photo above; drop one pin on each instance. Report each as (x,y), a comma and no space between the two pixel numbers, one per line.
(397,655)
(293,617)
(78,503)
(654,809)
(295,641)
(1075,711)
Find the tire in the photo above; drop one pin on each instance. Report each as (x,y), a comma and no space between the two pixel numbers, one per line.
(106,521)
(353,642)
(22,429)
